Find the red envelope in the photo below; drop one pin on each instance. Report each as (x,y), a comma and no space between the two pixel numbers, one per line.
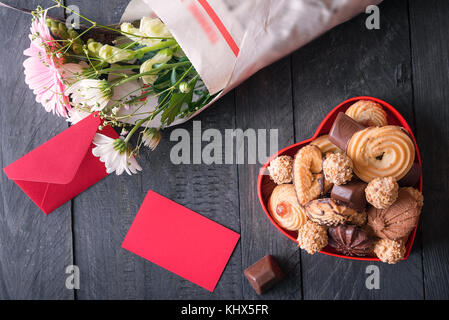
(180,240)
(62,167)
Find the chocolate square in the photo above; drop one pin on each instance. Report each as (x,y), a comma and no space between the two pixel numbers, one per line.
(352,194)
(263,274)
(343,129)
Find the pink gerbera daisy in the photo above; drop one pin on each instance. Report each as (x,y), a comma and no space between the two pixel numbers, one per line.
(45,72)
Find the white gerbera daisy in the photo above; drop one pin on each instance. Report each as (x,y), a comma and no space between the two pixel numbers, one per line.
(116,155)
(90,93)
(151,138)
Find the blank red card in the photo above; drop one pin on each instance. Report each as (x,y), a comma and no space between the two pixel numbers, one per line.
(180,240)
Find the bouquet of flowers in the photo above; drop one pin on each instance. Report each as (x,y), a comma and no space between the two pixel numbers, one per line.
(73,75)
(136,77)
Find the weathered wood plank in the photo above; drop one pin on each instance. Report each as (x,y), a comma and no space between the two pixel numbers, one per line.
(353,61)
(211,190)
(103,215)
(35,249)
(265,102)
(430,47)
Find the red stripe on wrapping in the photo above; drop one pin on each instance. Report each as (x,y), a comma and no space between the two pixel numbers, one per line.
(204,22)
(220,26)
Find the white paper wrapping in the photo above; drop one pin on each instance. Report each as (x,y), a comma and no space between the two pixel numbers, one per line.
(227,41)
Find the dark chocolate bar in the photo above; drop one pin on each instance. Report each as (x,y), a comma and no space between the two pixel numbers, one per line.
(343,129)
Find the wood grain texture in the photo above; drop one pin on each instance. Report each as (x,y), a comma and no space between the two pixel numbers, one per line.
(265,102)
(430,47)
(210,190)
(346,62)
(103,213)
(35,249)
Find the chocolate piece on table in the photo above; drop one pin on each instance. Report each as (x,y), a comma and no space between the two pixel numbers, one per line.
(263,274)
(412,177)
(343,129)
(352,194)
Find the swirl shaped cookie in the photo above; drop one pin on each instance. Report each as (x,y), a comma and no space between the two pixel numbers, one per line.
(285,209)
(381,152)
(368,113)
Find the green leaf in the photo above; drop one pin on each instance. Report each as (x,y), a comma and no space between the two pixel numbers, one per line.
(174,108)
(173,77)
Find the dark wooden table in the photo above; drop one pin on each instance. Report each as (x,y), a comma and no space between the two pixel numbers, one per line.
(405,63)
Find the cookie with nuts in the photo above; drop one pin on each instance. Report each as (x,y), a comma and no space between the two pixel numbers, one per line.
(328,212)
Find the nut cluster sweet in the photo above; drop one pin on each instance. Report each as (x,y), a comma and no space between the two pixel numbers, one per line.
(389,251)
(280,169)
(382,192)
(347,189)
(337,168)
(312,237)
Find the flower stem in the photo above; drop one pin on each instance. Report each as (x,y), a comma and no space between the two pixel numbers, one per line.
(116,68)
(160,45)
(154,71)
(137,126)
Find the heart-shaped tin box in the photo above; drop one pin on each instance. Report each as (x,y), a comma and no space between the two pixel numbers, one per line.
(265,185)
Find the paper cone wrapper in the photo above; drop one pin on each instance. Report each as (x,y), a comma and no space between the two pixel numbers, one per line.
(227,41)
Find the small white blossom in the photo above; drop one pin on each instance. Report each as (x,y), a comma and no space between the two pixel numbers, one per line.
(115,154)
(151,138)
(149,27)
(112,54)
(162,56)
(90,93)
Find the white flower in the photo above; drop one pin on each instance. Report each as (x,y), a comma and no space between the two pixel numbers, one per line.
(115,110)
(115,154)
(112,54)
(162,56)
(90,93)
(149,27)
(151,138)
(76,115)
